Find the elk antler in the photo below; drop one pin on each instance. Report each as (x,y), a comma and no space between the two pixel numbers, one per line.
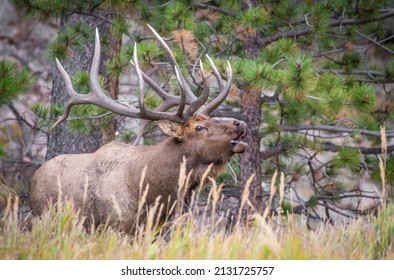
(97,95)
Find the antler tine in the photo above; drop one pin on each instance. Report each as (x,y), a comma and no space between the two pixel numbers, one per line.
(141,98)
(164,95)
(189,93)
(101,98)
(94,70)
(225,89)
(74,96)
(182,102)
(199,102)
(215,72)
(97,95)
(65,114)
(144,123)
(140,131)
(159,113)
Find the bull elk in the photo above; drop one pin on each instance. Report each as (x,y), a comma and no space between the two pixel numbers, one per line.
(106,184)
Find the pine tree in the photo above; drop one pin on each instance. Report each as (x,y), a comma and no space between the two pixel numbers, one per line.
(74,46)
(312,58)
(13,83)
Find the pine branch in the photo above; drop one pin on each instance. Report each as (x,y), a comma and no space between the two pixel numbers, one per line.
(300,209)
(341,22)
(22,119)
(352,72)
(335,129)
(216,9)
(326,146)
(331,147)
(272,152)
(378,81)
(375,42)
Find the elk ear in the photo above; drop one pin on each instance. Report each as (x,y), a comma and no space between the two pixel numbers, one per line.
(171,129)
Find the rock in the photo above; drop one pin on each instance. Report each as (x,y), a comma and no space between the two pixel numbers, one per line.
(8,16)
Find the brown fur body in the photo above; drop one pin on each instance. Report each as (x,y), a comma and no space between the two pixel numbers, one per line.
(108,180)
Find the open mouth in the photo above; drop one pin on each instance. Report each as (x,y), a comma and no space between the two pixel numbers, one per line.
(237,145)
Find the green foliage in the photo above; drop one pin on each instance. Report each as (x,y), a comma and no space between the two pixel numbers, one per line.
(287,208)
(347,158)
(331,89)
(2,151)
(389,69)
(363,97)
(85,119)
(80,81)
(370,9)
(350,60)
(57,50)
(283,11)
(49,9)
(279,50)
(298,79)
(366,122)
(46,113)
(375,29)
(148,52)
(124,6)
(384,230)
(373,164)
(258,74)
(119,62)
(313,202)
(232,171)
(253,18)
(120,26)
(202,30)
(293,112)
(116,65)
(127,137)
(270,119)
(12,81)
(176,15)
(82,120)
(75,36)
(320,17)
(229,4)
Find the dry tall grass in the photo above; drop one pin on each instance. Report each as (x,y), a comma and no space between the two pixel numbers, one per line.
(60,234)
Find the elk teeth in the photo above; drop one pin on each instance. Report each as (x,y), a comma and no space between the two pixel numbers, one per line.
(239,142)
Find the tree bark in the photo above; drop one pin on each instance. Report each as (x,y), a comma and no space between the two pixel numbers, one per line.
(61,140)
(251,159)
(250,162)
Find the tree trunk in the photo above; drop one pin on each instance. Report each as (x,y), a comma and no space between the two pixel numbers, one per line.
(62,140)
(250,162)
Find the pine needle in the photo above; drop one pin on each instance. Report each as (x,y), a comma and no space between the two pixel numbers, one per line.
(187,41)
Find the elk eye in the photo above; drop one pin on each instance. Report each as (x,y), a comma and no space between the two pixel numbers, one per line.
(199,128)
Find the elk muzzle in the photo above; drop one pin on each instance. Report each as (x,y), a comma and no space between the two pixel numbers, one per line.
(237,145)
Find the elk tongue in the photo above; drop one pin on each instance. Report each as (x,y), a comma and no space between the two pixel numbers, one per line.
(238,146)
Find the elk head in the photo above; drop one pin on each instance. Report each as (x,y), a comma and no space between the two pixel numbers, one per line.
(210,137)
(190,120)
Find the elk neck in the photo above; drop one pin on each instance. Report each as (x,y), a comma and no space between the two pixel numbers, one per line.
(195,162)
